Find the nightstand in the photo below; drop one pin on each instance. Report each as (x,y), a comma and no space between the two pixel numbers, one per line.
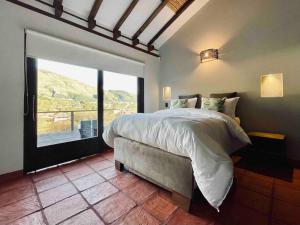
(269,144)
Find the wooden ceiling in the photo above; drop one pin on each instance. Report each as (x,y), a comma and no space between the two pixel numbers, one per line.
(177,7)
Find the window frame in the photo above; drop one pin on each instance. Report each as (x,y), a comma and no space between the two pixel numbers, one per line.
(41,157)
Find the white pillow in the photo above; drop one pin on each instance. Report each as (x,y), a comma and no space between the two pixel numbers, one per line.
(230,106)
(191,103)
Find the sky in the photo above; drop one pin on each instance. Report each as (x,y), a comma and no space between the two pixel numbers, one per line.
(111,81)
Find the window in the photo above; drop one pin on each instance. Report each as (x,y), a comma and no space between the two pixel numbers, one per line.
(120,95)
(64,108)
(67,103)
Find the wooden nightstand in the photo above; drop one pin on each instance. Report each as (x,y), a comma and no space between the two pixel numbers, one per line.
(269,144)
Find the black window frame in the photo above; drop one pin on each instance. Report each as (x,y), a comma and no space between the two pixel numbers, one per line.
(37,158)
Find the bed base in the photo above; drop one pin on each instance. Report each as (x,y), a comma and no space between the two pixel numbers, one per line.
(169,171)
(178,199)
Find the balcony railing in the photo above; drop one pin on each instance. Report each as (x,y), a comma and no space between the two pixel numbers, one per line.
(56,127)
(67,120)
(63,116)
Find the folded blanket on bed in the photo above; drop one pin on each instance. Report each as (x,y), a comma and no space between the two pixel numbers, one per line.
(189,132)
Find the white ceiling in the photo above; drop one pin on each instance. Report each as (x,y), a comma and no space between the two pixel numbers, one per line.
(138,16)
(111,11)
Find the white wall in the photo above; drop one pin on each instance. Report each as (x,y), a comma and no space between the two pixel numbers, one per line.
(13,20)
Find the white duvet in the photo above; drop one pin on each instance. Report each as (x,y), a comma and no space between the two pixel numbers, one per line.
(202,135)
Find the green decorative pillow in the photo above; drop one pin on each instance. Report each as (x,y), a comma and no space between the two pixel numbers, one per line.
(178,103)
(215,104)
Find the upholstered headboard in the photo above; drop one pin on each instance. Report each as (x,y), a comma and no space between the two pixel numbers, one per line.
(224,95)
(213,95)
(198,96)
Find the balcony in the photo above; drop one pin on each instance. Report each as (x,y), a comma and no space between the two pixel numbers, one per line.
(56,127)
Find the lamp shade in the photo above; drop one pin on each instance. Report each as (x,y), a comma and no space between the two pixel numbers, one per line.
(271,85)
(167,93)
(209,55)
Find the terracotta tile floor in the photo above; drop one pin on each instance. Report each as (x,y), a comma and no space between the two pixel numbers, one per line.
(91,192)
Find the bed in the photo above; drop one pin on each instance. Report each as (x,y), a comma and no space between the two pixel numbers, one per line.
(178,150)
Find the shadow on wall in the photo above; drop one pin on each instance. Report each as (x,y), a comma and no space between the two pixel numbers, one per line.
(265,34)
(271,115)
(254,37)
(221,22)
(254,27)
(176,56)
(238,34)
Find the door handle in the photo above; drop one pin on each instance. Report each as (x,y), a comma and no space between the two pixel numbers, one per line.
(33,107)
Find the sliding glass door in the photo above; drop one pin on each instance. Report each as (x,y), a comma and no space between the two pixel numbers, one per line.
(63,113)
(120,95)
(67,103)
(66,108)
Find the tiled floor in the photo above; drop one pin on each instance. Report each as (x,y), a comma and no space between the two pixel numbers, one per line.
(91,192)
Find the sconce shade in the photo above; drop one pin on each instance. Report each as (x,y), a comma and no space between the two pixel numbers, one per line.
(167,93)
(271,85)
(209,55)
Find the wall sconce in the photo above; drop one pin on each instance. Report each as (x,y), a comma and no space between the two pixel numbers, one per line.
(271,85)
(167,93)
(209,55)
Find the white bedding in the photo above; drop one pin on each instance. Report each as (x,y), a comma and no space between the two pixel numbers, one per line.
(204,136)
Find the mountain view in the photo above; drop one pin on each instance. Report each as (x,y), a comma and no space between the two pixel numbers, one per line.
(60,93)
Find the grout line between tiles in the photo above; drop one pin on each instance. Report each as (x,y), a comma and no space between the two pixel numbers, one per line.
(120,190)
(42,209)
(152,196)
(90,206)
(52,187)
(22,198)
(272,203)
(78,192)
(171,216)
(36,193)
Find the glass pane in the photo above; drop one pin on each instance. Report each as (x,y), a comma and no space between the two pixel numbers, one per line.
(67,103)
(120,95)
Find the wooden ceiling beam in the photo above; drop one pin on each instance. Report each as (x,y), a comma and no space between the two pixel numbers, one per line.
(177,14)
(77,25)
(93,13)
(116,30)
(151,48)
(135,42)
(58,7)
(149,20)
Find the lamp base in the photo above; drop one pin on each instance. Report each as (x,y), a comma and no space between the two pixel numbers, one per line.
(167,105)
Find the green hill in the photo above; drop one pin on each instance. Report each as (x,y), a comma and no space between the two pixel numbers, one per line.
(52,85)
(119,96)
(60,93)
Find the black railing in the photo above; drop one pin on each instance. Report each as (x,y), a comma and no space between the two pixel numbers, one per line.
(72,114)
